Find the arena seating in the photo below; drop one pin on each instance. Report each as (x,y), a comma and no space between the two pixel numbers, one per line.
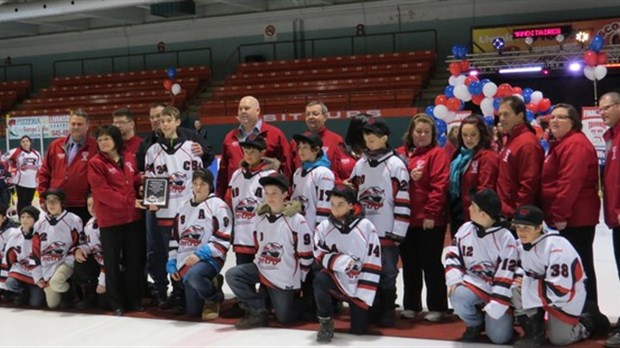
(344,82)
(11,92)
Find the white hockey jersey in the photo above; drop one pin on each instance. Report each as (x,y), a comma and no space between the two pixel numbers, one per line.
(484,262)
(284,248)
(18,257)
(553,277)
(246,195)
(336,246)
(26,165)
(53,243)
(176,163)
(4,271)
(383,192)
(311,188)
(203,229)
(93,245)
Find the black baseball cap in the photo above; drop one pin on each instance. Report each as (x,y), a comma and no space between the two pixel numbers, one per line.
(528,215)
(344,191)
(376,126)
(58,192)
(254,140)
(488,201)
(309,137)
(275,179)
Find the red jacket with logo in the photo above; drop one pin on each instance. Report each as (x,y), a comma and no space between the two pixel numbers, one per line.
(569,182)
(55,173)
(232,154)
(611,177)
(520,163)
(332,145)
(481,173)
(428,195)
(114,189)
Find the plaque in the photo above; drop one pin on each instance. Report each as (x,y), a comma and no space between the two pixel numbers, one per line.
(156,192)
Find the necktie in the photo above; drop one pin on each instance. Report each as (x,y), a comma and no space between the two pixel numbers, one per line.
(73,150)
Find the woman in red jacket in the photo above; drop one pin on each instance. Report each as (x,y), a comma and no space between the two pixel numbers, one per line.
(113,178)
(569,187)
(421,251)
(473,167)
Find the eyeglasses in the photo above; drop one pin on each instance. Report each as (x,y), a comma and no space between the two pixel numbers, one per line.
(606,107)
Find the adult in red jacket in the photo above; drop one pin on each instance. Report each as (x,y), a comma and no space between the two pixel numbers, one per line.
(250,123)
(66,164)
(473,167)
(569,187)
(316,115)
(123,119)
(114,178)
(423,245)
(520,161)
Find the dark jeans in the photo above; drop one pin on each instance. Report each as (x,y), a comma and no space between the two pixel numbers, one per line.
(616,240)
(157,239)
(36,296)
(324,289)
(198,288)
(82,212)
(24,197)
(5,197)
(123,245)
(244,258)
(421,257)
(242,281)
(582,239)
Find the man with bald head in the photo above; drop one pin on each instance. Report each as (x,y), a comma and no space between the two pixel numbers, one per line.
(250,122)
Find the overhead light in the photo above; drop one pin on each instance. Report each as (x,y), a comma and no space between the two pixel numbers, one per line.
(612,65)
(474,72)
(582,36)
(520,70)
(574,66)
(498,43)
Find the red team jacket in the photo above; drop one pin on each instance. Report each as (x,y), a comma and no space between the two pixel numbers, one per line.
(481,173)
(114,189)
(55,173)
(520,162)
(332,145)
(232,154)
(611,177)
(569,182)
(428,195)
(132,145)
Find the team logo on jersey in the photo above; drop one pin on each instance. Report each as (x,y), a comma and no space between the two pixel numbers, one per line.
(485,270)
(506,155)
(26,264)
(271,254)
(177,182)
(53,252)
(474,167)
(29,164)
(355,269)
(192,236)
(246,209)
(372,198)
(304,203)
(84,156)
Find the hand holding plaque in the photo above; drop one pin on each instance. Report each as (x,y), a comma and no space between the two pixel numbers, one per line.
(156,192)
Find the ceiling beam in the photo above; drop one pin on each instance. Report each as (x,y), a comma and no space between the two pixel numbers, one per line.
(246,5)
(133,15)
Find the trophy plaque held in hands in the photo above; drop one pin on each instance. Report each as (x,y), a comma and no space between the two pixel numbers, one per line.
(156,192)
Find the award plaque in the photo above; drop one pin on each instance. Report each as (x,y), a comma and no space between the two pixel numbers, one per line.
(156,192)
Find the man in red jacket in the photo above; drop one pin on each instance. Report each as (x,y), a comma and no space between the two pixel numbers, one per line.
(520,161)
(66,164)
(251,123)
(316,115)
(123,119)
(609,109)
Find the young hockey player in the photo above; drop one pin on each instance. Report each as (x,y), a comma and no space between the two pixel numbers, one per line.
(6,226)
(348,248)
(480,266)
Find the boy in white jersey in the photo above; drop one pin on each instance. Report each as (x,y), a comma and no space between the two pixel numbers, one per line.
(6,226)
(480,265)
(551,279)
(245,194)
(200,240)
(17,259)
(382,181)
(55,245)
(284,254)
(348,248)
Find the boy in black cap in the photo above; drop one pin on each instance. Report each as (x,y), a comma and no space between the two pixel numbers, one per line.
(480,265)
(382,181)
(283,244)
(551,279)
(348,248)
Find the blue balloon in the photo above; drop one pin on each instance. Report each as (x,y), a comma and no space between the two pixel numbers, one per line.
(496,103)
(449,91)
(475,88)
(545,145)
(462,107)
(171,72)
(527,94)
(489,120)
(430,110)
(529,116)
(442,127)
(459,51)
(597,43)
(441,139)
(484,82)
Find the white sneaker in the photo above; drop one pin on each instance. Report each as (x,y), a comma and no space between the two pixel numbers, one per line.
(434,316)
(408,314)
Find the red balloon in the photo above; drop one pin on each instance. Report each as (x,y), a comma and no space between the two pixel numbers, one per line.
(441,99)
(504,90)
(539,132)
(464,65)
(168,84)
(517,90)
(601,59)
(533,107)
(455,68)
(544,104)
(469,79)
(453,104)
(477,99)
(590,58)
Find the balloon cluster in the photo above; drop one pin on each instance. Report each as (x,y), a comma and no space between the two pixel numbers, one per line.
(595,60)
(169,84)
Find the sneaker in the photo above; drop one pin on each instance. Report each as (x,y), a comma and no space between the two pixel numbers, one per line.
(614,340)
(409,314)
(211,310)
(253,319)
(434,316)
(472,334)
(326,330)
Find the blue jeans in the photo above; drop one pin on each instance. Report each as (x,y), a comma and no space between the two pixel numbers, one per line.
(242,281)
(324,291)
(36,296)
(157,239)
(467,306)
(198,288)
(389,267)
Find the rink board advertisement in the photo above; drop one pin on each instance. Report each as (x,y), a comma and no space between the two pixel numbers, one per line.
(593,128)
(37,126)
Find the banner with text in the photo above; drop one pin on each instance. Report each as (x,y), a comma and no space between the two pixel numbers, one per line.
(38,126)
(593,128)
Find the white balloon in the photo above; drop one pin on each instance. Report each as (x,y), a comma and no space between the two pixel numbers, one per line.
(588,72)
(536,97)
(451,116)
(486,106)
(489,89)
(462,93)
(176,89)
(600,71)
(441,112)
(452,80)
(460,80)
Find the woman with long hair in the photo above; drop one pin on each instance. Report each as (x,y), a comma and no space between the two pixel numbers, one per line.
(23,161)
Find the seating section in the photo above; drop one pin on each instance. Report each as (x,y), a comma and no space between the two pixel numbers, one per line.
(101,94)
(344,82)
(12,92)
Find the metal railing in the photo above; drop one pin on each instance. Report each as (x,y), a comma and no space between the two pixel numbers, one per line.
(6,69)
